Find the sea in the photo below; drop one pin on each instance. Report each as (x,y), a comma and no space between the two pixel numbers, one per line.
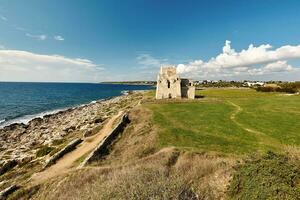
(21,102)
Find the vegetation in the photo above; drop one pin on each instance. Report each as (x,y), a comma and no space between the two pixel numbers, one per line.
(45,150)
(188,149)
(283,87)
(272,176)
(136,169)
(221,84)
(235,121)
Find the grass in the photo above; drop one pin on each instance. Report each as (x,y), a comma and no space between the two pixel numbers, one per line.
(45,150)
(135,169)
(272,176)
(162,152)
(235,121)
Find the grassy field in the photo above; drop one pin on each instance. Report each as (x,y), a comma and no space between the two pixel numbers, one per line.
(235,121)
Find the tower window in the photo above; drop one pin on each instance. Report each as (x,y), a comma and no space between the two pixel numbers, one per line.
(168,83)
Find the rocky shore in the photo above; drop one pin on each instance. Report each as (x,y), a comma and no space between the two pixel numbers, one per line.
(20,142)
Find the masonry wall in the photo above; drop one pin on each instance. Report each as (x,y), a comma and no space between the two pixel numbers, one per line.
(168,84)
(191,92)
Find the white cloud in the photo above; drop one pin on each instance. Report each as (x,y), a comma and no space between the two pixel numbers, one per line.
(3,18)
(59,38)
(275,67)
(18,65)
(2,46)
(148,61)
(258,60)
(37,37)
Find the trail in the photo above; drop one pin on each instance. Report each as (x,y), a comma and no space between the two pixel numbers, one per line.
(67,162)
(262,137)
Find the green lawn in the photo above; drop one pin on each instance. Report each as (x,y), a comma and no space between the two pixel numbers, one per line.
(234,121)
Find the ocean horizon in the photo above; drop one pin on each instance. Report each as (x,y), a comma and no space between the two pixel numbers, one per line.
(21,102)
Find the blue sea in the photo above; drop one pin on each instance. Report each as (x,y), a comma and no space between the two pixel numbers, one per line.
(21,102)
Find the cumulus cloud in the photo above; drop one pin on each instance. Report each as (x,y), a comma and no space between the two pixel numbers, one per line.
(59,38)
(37,37)
(18,65)
(258,60)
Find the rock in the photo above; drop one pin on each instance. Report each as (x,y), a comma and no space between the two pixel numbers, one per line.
(18,141)
(35,122)
(25,159)
(87,133)
(98,120)
(69,129)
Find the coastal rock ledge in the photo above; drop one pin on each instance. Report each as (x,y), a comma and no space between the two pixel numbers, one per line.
(21,142)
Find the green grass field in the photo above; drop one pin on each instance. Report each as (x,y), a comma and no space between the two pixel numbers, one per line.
(235,121)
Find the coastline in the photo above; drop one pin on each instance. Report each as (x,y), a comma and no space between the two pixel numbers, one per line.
(20,141)
(25,119)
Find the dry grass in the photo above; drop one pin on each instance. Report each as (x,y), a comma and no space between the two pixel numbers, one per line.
(166,175)
(136,169)
(293,152)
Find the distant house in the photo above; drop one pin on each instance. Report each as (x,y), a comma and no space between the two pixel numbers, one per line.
(170,85)
(251,84)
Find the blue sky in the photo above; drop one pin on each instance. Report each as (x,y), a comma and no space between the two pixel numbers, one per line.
(91,41)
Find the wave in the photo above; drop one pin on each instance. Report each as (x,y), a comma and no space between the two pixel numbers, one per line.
(26,118)
(125,92)
(2,120)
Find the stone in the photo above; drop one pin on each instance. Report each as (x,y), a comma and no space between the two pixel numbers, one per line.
(87,133)
(170,85)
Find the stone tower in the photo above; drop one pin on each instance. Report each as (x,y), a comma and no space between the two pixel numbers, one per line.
(169,85)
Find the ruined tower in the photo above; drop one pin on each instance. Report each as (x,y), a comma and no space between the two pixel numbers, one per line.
(169,85)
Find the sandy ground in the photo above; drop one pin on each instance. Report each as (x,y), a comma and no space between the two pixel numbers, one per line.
(67,163)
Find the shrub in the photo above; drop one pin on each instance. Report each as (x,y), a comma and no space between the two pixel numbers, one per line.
(44,151)
(288,88)
(272,176)
(57,142)
(265,89)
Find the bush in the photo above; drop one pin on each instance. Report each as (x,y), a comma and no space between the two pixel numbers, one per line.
(265,89)
(272,176)
(44,151)
(58,142)
(287,88)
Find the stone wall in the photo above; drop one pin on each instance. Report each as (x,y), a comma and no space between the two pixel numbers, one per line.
(7,165)
(168,83)
(70,147)
(4,193)
(101,149)
(191,92)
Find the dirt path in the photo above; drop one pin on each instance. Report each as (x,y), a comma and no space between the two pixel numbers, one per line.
(67,162)
(262,137)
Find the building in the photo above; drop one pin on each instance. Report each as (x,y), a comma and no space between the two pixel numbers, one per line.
(251,84)
(170,85)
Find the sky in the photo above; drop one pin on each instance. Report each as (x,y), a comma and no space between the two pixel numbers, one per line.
(126,40)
